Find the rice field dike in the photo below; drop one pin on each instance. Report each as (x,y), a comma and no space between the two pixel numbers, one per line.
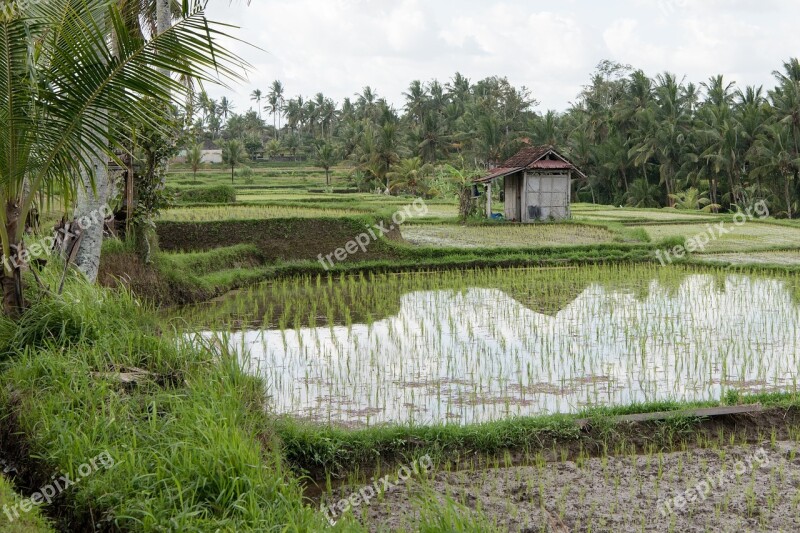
(549,377)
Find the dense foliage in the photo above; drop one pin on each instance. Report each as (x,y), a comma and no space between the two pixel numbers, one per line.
(642,141)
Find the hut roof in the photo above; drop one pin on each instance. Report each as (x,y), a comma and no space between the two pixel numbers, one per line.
(532,158)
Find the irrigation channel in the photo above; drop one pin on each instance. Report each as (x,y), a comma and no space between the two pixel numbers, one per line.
(474,346)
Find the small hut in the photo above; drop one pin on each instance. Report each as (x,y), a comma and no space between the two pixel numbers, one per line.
(537,185)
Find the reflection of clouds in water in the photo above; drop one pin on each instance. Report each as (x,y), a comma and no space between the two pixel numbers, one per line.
(478,354)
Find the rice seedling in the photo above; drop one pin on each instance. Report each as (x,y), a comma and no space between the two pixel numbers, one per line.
(473,346)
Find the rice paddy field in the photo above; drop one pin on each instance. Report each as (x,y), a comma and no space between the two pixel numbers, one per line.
(785,258)
(751,237)
(363,366)
(477,346)
(623,214)
(741,488)
(507,236)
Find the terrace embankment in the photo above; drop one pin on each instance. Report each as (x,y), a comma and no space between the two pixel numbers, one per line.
(325,452)
(201,260)
(277,239)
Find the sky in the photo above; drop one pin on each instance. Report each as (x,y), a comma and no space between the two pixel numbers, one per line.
(339,46)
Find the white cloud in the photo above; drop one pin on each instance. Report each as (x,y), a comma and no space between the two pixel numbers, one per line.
(338,46)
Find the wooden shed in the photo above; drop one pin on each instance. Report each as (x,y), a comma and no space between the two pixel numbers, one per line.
(537,185)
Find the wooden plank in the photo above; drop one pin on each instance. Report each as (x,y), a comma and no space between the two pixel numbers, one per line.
(709,412)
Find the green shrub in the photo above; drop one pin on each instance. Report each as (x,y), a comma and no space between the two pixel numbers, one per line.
(244,172)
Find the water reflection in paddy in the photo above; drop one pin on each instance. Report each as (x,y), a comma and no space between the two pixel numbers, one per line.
(476,353)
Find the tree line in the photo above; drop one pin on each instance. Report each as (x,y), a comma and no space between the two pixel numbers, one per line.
(642,141)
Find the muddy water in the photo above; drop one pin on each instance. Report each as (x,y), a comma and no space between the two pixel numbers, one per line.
(476,354)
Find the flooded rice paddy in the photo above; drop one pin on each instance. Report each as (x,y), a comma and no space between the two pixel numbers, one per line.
(475,346)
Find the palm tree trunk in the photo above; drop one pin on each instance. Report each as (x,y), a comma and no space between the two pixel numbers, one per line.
(13,302)
(92,203)
(278,131)
(670,200)
(90,213)
(163,23)
(163,20)
(712,187)
(788,196)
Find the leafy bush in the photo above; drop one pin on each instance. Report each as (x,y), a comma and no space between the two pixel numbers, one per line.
(244,172)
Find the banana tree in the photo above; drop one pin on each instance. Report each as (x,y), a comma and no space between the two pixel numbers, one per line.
(72,78)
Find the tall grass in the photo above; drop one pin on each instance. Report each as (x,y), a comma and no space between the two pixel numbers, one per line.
(185,433)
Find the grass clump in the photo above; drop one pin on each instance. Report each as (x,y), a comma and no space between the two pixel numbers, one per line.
(179,418)
(31,522)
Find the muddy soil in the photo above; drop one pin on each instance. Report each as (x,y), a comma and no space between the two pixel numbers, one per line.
(726,489)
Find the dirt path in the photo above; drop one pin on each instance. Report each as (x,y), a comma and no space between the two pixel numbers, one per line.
(728,489)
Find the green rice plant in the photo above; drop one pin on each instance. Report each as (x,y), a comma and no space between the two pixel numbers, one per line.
(500,343)
(445,515)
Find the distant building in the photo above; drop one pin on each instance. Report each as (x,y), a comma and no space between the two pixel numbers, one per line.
(212,156)
(537,185)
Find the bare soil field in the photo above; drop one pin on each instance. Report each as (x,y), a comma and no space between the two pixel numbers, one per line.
(727,489)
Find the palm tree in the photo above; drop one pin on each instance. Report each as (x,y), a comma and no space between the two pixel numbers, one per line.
(643,194)
(205,104)
(431,138)
(275,99)
(292,143)
(416,100)
(273,148)
(256,97)
(693,200)
(366,102)
(233,154)
(194,158)
(461,178)
(225,107)
(775,159)
(326,157)
(409,175)
(55,130)
(387,152)
(295,113)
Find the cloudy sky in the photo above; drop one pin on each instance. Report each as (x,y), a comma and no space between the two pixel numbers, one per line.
(339,46)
